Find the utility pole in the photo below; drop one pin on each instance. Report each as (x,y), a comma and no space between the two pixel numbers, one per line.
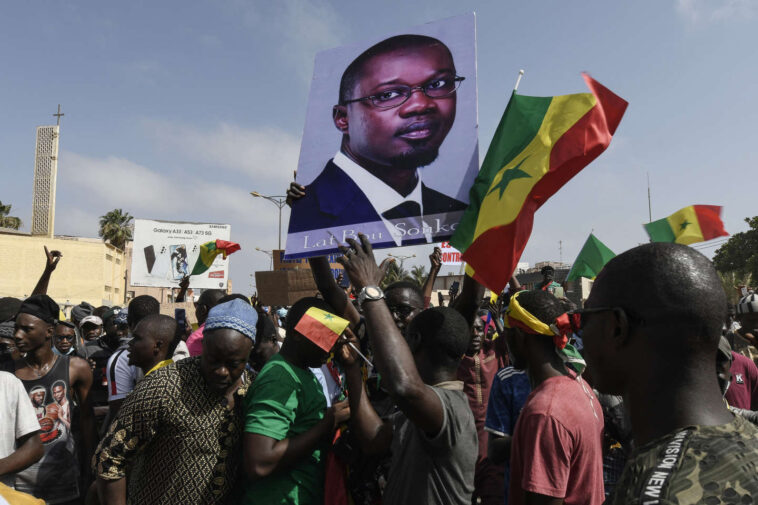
(59,114)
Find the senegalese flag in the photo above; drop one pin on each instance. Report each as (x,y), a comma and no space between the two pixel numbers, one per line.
(696,223)
(321,327)
(209,251)
(592,258)
(539,145)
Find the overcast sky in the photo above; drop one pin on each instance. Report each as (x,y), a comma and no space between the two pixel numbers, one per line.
(177,110)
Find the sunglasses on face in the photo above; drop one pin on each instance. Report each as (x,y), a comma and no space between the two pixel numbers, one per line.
(402,310)
(61,338)
(578,318)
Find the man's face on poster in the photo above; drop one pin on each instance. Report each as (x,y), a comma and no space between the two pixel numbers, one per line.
(59,393)
(409,135)
(38,397)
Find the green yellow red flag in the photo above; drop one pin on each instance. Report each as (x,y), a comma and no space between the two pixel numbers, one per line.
(209,251)
(592,258)
(321,327)
(696,223)
(539,145)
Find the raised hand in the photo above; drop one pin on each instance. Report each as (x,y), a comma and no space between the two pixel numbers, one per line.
(295,192)
(346,355)
(53,257)
(359,263)
(384,266)
(435,259)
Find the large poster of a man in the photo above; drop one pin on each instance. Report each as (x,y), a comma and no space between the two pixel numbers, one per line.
(390,142)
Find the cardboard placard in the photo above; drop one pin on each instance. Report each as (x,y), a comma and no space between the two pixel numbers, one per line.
(284,287)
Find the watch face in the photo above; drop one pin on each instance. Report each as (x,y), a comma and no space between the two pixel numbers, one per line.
(372,292)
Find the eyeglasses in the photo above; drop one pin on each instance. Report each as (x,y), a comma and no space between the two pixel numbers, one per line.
(577,317)
(402,310)
(397,96)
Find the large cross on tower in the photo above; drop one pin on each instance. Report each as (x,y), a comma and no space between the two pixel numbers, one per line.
(59,114)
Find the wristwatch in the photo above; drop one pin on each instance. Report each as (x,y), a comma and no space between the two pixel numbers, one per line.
(370,293)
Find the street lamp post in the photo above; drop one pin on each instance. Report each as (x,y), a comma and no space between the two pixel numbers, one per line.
(278,200)
(401,258)
(270,254)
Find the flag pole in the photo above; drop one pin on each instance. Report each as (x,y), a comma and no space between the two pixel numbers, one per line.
(518,79)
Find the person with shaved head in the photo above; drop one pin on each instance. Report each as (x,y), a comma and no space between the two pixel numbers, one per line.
(153,342)
(651,328)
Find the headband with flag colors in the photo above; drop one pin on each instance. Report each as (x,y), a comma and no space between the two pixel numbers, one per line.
(321,327)
(517,316)
(696,223)
(539,145)
(209,251)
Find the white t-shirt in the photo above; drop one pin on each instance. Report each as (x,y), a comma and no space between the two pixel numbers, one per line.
(17,417)
(122,377)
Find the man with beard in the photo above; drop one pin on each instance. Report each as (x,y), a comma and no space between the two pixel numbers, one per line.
(397,103)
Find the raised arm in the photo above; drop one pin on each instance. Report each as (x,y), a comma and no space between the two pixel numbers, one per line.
(183,286)
(435,264)
(333,294)
(467,303)
(373,435)
(52,259)
(392,356)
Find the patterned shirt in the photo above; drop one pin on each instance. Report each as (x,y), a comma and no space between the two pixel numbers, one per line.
(696,464)
(179,439)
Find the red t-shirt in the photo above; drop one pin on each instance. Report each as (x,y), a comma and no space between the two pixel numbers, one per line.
(743,388)
(557,444)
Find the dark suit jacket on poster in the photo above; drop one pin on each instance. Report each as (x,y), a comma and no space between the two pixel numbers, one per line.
(334,199)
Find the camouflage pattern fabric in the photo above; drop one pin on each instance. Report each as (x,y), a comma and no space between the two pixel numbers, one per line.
(179,441)
(698,464)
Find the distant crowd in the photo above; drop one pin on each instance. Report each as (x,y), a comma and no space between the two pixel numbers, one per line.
(646,392)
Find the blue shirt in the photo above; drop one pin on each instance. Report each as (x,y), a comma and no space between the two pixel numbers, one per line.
(509,392)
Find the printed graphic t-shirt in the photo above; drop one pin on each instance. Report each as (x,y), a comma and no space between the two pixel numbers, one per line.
(285,401)
(695,464)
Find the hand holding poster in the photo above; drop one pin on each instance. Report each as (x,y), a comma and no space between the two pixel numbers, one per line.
(164,252)
(395,157)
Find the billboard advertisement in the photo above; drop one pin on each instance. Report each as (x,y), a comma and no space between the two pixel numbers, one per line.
(165,251)
(389,147)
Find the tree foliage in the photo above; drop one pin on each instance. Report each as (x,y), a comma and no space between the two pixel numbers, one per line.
(739,255)
(419,274)
(394,274)
(6,220)
(116,228)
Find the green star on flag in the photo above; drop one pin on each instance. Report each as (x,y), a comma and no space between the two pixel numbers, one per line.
(508,176)
(684,225)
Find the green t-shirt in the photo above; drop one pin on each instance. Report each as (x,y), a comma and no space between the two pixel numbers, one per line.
(285,401)
(696,464)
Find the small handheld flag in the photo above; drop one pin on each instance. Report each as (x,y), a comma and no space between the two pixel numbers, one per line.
(592,258)
(209,251)
(321,327)
(539,145)
(696,223)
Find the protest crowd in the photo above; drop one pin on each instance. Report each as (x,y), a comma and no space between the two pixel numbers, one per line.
(367,396)
(367,392)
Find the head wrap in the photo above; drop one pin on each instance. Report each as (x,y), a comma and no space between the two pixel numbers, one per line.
(41,306)
(748,304)
(560,330)
(7,329)
(81,311)
(91,319)
(9,308)
(121,317)
(235,315)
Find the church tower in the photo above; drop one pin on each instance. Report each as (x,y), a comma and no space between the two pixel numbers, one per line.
(45,173)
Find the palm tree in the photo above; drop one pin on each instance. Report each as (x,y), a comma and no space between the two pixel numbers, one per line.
(395,274)
(419,274)
(116,228)
(7,221)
